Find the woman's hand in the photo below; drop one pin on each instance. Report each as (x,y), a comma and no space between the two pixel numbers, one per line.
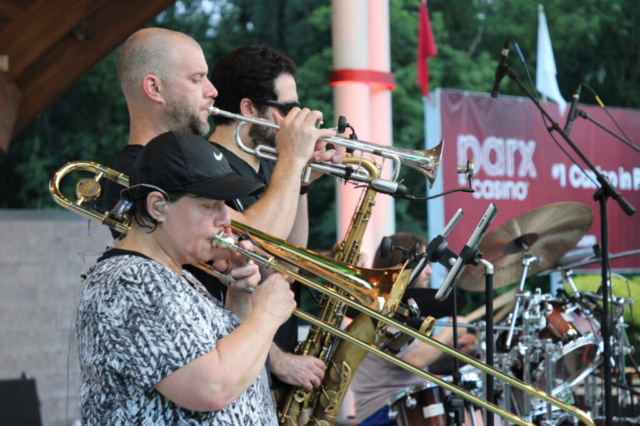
(274,299)
(245,272)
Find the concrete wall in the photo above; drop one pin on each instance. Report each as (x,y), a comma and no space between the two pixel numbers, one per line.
(39,281)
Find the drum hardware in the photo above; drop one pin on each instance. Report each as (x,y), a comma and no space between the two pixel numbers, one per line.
(474,326)
(568,278)
(549,351)
(620,345)
(527,260)
(505,365)
(597,259)
(503,313)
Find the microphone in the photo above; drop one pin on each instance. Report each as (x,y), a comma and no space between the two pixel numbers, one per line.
(501,71)
(573,111)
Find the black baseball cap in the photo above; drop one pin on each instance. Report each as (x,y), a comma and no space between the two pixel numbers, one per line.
(183,162)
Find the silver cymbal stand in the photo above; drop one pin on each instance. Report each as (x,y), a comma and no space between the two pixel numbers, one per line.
(549,351)
(527,260)
(528,347)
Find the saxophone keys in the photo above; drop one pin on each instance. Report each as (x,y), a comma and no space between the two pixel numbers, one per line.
(328,398)
(300,395)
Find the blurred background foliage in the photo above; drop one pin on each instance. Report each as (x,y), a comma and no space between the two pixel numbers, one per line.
(594,41)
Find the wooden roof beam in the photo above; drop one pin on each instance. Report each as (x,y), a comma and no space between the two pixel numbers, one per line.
(54,72)
(38,28)
(9,101)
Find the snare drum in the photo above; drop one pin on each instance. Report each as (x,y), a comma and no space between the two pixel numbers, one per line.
(423,405)
(420,405)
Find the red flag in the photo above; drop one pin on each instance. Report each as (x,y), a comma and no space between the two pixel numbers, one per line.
(426,48)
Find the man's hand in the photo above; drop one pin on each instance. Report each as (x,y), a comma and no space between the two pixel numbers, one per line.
(304,371)
(321,155)
(467,343)
(298,136)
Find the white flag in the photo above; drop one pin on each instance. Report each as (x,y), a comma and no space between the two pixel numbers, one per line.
(546,81)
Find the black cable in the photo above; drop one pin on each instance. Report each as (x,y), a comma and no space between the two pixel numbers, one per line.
(546,125)
(607,111)
(414,198)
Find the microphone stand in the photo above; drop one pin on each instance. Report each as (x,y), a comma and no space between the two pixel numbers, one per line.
(586,116)
(602,195)
(438,251)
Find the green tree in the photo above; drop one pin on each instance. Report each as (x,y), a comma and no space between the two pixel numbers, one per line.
(595,41)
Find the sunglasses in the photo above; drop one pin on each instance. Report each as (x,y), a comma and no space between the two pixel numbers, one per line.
(284,107)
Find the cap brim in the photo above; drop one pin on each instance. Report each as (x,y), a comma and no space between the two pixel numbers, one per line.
(227,187)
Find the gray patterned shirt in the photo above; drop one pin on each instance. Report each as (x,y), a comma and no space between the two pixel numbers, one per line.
(137,322)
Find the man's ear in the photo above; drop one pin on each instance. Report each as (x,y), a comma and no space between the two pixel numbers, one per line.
(153,88)
(247,108)
(155,205)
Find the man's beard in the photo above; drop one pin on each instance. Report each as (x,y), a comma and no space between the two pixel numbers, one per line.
(180,118)
(263,135)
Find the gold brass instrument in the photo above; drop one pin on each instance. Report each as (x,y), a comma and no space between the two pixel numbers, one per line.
(321,406)
(343,276)
(426,162)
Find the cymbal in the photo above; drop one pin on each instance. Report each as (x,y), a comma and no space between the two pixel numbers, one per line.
(547,232)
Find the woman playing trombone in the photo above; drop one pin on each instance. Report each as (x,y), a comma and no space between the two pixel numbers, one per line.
(154,346)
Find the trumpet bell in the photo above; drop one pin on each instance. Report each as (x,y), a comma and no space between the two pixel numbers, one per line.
(430,168)
(426,162)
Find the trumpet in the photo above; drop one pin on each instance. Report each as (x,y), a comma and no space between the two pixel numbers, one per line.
(426,162)
(369,291)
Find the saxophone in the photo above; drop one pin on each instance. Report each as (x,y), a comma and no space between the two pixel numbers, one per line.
(320,406)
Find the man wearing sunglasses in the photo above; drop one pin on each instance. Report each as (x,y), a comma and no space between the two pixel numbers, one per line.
(259,82)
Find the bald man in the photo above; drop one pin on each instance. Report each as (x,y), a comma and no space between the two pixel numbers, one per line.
(163,75)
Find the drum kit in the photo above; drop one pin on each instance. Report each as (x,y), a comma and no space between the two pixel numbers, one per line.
(552,342)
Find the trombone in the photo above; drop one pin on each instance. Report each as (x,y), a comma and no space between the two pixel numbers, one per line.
(426,162)
(367,293)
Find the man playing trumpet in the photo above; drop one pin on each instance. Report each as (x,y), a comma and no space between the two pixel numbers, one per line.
(259,82)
